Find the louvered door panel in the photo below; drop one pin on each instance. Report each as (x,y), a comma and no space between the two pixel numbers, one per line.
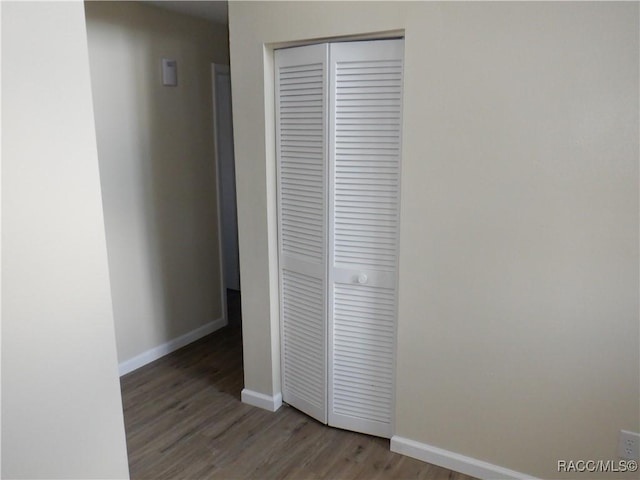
(303,336)
(367,162)
(365,141)
(364,329)
(301,124)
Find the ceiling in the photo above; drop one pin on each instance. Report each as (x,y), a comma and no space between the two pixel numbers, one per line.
(214,11)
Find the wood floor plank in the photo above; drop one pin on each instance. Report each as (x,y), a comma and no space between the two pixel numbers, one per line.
(184,420)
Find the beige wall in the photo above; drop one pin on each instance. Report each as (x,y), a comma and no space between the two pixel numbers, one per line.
(518,337)
(61,407)
(157,169)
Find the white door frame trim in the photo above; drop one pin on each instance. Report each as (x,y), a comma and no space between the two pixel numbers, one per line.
(215,70)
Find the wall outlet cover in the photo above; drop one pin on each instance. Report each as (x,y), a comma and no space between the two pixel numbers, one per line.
(629,445)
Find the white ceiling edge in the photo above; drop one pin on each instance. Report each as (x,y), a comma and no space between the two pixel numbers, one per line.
(211,10)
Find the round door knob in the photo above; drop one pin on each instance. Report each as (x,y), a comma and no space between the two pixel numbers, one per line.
(362,278)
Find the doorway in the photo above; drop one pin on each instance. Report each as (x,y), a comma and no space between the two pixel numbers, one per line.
(226,177)
(338,139)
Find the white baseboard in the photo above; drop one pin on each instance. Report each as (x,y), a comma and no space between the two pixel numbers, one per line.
(454,461)
(172,345)
(260,400)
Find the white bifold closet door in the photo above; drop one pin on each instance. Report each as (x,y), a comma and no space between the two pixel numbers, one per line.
(339,116)
(301,123)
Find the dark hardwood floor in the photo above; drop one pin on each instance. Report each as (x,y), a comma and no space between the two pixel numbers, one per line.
(184,420)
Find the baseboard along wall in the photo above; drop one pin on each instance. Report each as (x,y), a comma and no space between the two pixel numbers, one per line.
(260,400)
(171,346)
(454,461)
